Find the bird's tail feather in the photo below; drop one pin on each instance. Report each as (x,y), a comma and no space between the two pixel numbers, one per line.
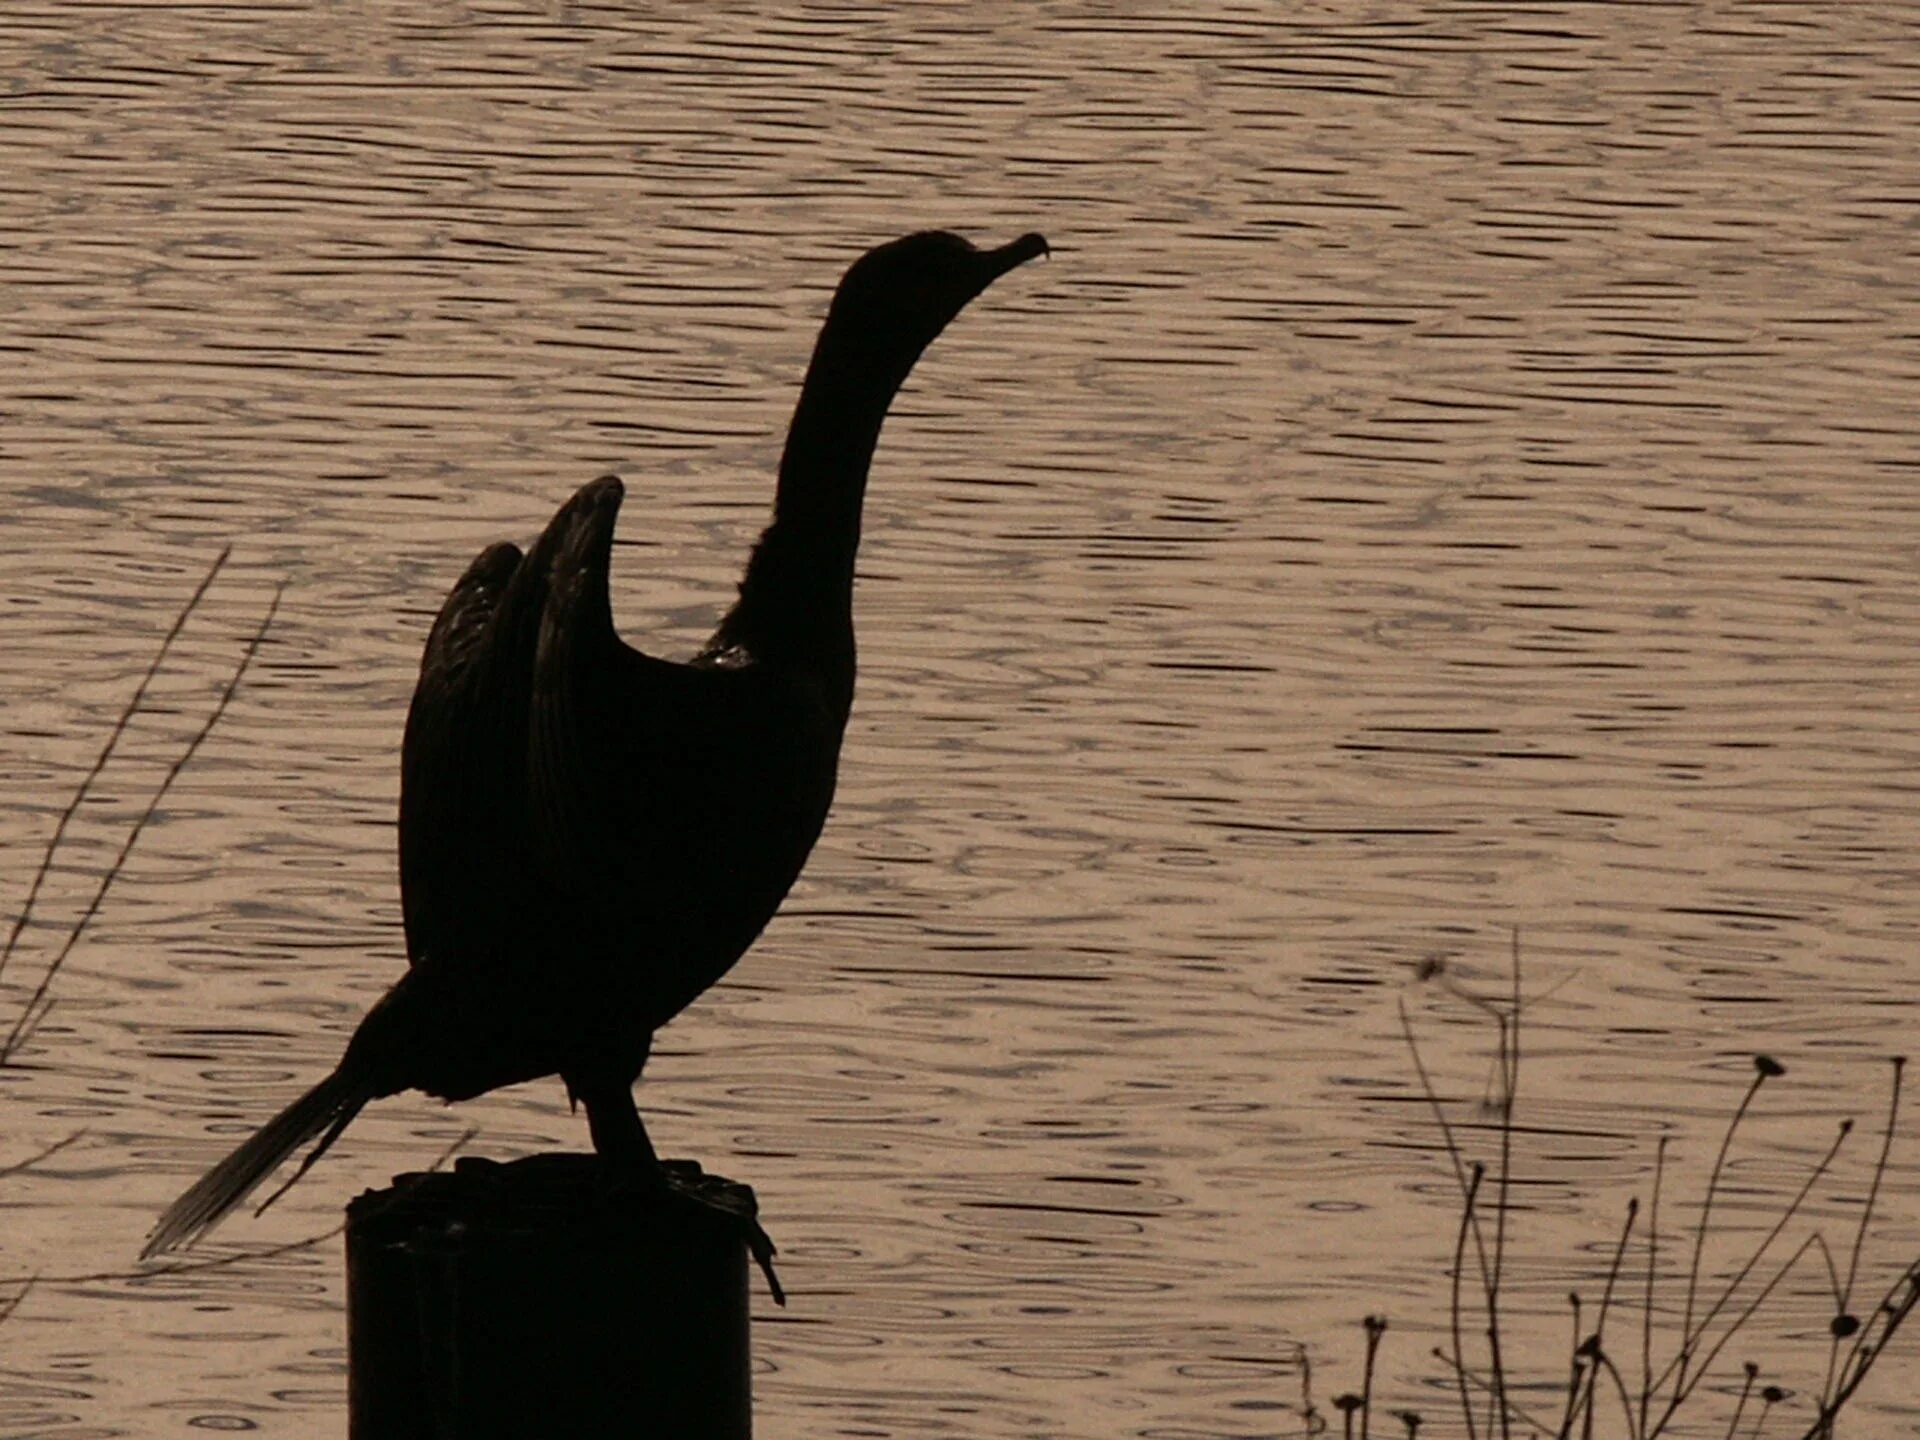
(327,1107)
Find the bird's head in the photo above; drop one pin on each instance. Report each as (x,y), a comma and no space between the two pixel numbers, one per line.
(897,297)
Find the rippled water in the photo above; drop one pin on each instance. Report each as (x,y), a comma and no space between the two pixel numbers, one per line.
(1457,472)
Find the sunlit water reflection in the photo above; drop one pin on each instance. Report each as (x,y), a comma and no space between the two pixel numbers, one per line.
(1456,473)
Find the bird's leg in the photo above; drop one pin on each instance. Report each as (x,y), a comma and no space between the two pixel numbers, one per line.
(620,1137)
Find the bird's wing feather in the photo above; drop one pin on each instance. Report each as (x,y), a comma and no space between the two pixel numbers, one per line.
(557,780)
(464,825)
(568,747)
(460,727)
(640,769)
(601,720)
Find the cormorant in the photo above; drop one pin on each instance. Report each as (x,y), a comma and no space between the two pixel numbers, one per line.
(590,837)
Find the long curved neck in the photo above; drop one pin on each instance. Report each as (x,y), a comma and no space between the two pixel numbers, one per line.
(796,598)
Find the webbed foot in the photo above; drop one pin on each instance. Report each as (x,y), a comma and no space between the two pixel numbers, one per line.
(684,1183)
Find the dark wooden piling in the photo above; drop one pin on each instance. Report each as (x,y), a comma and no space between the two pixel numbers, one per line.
(524,1299)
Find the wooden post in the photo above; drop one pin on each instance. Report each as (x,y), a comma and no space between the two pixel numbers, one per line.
(525,1299)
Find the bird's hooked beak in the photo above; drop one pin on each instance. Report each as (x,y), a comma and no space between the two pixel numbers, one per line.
(1015,253)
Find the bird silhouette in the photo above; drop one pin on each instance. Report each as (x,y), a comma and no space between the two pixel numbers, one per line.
(590,837)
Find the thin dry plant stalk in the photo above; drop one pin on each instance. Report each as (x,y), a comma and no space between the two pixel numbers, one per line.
(164,1269)
(39,1003)
(1708,1324)
(106,753)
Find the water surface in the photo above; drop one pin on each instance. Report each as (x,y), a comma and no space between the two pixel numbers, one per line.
(1456,473)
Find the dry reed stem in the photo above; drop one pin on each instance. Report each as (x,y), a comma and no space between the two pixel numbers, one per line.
(1844,1298)
(1687,1333)
(1454,1154)
(1685,1385)
(1509,1096)
(38,1004)
(1453,1306)
(1470,1377)
(20,1166)
(1653,1257)
(218,1262)
(1746,1389)
(106,753)
(1701,1343)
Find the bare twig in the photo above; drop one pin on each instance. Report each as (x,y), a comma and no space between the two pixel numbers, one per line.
(38,1004)
(1454,1153)
(1510,1090)
(1310,1417)
(1844,1322)
(1579,1392)
(1895,1307)
(106,753)
(1453,1306)
(1472,1378)
(1746,1389)
(1603,1362)
(1653,1258)
(1596,1344)
(1613,1270)
(1574,1362)
(26,1284)
(1682,1392)
(217,1262)
(19,1166)
(1376,1326)
(1764,1068)
(1684,1383)
(1486,1405)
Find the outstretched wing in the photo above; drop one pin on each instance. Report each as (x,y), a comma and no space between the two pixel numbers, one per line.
(670,805)
(466,735)
(570,756)
(471,898)
(568,801)
(617,793)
